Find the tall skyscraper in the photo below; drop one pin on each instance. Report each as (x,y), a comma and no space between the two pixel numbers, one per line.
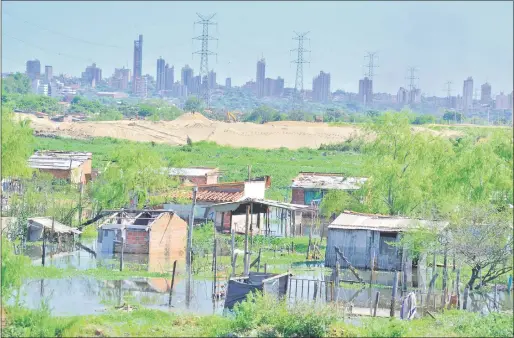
(260,78)
(366,91)
(228,83)
(170,77)
(485,94)
(137,73)
(161,74)
(212,80)
(467,94)
(502,102)
(321,87)
(48,73)
(187,78)
(33,69)
(278,89)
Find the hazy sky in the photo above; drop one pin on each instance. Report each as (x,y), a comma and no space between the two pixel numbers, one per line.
(447,41)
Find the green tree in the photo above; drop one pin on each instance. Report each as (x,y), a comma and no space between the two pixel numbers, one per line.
(17,143)
(263,114)
(16,84)
(452,116)
(193,105)
(136,170)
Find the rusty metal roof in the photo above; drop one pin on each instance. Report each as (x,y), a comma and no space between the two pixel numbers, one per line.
(60,160)
(327,181)
(208,195)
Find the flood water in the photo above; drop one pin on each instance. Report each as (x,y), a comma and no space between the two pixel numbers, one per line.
(87,295)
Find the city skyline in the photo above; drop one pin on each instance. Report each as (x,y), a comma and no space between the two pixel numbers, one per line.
(345,75)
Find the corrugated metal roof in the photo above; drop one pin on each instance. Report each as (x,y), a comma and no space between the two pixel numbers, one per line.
(231,206)
(356,221)
(57,226)
(194,171)
(58,160)
(327,181)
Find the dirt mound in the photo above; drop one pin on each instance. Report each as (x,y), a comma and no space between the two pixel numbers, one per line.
(296,124)
(192,117)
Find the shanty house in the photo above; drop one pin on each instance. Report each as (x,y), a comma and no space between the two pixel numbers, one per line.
(210,194)
(196,175)
(52,228)
(363,238)
(143,232)
(308,186)
(72,166)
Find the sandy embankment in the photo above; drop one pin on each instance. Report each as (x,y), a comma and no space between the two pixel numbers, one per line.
(289,134)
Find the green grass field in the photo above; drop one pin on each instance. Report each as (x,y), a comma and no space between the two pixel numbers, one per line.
(281,164)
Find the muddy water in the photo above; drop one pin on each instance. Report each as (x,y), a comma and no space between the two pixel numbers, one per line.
(87,295)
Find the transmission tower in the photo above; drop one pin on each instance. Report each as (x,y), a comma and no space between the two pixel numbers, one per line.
(372,57)
(298,85)
(412,83)
(205,21)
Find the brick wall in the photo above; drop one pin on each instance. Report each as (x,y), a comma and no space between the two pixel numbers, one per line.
(298,196)
(136,241)
(196,179)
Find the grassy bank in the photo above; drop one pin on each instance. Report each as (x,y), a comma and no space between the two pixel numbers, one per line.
(282,164)
(259,317)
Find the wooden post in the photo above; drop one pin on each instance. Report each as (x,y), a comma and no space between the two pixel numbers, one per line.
(434,265)
(172,281)
(44,247)
(259,263)
(431,288)
(495,303)
(265,267)
(251,226)
(246,257)
(222,222)
(393,297)
(404,273)
(292,247)
(315,290)
(465,301)
(122,249)
(309,246)
(234,265)
(457,288)
(214,268)
(336,279)
(232,249)
(445,276)
(189,249)
(377,296)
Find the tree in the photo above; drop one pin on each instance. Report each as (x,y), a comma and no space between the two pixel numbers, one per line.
(263,114)
(481,236)
(16,84)
(136,171)
(193,104)
(452,116)
(401,164)
(337,201)
(17,142)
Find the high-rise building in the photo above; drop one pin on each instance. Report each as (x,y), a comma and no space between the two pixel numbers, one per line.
(260,78)
(228,83)
(187,78)
(92,75)
(279,87)
(321,87)
(467,94)
(170,77)
(49,73)
(485,94)
(33,69)
(401,97)
(366,90)
(510,101)
(196,85)
(161,74)
(212,80)
(120,79)
(502,102)
(137,73)
(414,96)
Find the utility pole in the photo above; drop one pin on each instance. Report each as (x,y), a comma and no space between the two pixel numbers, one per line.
(412,83)
(204,52)
(298,93)
(189,250)
(448,90)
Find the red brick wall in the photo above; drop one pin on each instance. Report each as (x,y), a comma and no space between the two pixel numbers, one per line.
(136,241)
(298,196)
(196,179)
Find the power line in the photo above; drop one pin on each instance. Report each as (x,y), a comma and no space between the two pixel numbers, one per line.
(61,34)
(448,90)
(45,50)
(204,55)
(412,78)
(300,60)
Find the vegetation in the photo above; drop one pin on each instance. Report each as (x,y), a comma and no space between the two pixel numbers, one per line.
(193,105)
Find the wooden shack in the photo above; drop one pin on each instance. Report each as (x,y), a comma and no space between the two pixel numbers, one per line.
(73,166)
(366,238)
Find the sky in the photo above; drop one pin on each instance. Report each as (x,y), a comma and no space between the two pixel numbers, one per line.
(445,41)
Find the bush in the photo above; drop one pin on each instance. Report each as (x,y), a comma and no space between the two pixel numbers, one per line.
(264,316)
